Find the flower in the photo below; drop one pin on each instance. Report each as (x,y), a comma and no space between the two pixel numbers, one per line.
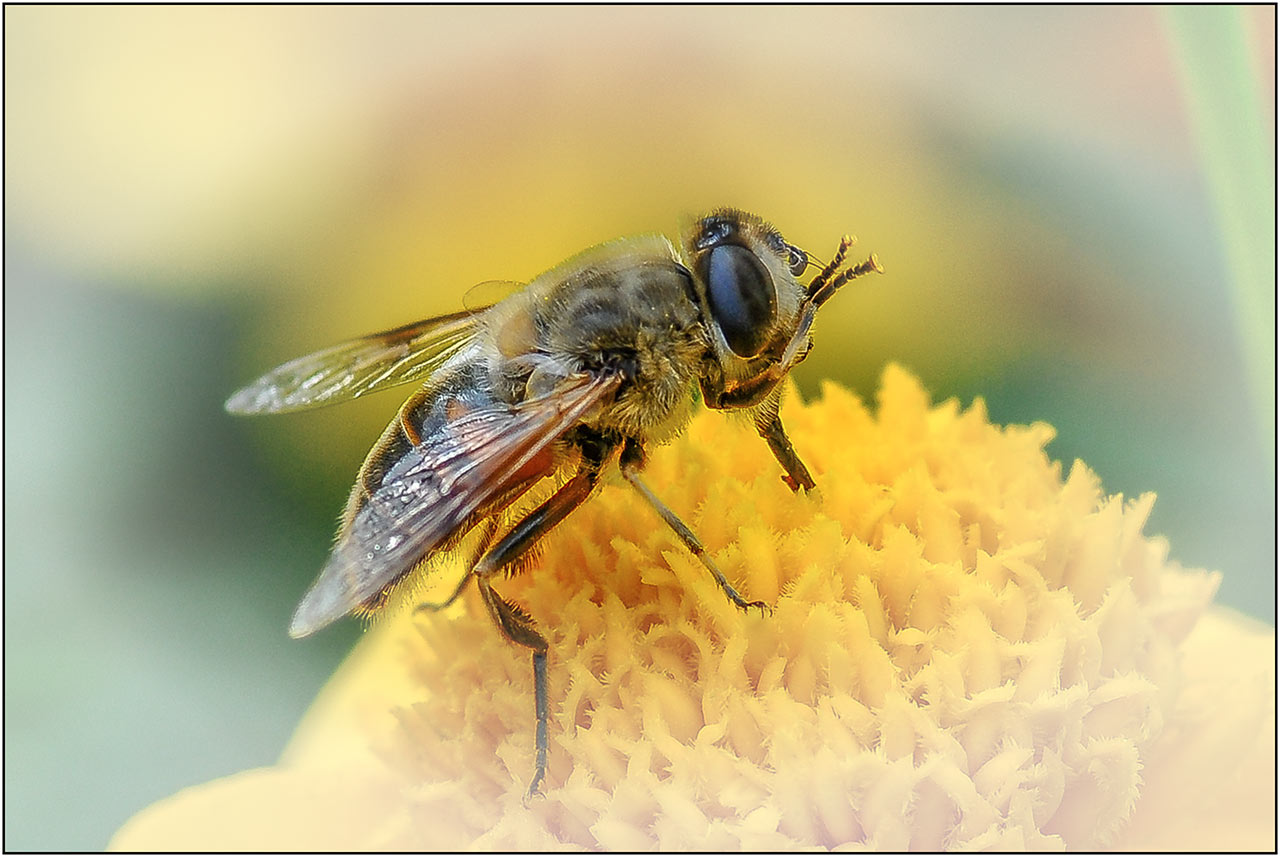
(967,651)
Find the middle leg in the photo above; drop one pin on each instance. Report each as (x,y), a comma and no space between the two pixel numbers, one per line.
(632,461)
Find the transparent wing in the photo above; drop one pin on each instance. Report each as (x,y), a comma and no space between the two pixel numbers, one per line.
(471,463)
(351,369)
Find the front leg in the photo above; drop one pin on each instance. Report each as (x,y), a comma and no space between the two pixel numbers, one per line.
(785,355)
(769,425)
(722,395)
(744,394)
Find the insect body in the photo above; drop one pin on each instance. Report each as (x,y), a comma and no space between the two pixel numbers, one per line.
(586,365)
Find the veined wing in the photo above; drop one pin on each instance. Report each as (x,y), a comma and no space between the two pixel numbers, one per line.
(473,461)
(359,366)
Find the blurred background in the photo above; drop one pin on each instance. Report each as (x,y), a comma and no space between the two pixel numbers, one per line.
(1074,205)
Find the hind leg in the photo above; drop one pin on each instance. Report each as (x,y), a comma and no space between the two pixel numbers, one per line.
(514,623)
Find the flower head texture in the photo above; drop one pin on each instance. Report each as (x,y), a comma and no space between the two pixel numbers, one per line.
(969,649)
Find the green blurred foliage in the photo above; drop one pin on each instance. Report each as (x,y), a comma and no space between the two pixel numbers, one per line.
(194,194)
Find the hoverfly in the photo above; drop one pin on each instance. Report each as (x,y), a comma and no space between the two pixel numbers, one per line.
(584,366)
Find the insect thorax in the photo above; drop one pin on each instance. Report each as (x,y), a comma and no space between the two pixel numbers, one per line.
(632,312)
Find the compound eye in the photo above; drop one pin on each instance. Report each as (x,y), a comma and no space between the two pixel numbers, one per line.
(742,298)
(797,260)
(714,231)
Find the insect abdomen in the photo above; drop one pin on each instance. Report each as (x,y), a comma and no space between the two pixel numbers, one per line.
(396,441)
(423,415)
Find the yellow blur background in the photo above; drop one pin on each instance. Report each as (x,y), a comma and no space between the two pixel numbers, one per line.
(1074,207)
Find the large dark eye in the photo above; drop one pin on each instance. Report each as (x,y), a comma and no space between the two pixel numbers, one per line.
(742,298)
(714,230)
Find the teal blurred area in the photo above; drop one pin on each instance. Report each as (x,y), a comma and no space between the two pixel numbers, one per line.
(149,567)
(194,194)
